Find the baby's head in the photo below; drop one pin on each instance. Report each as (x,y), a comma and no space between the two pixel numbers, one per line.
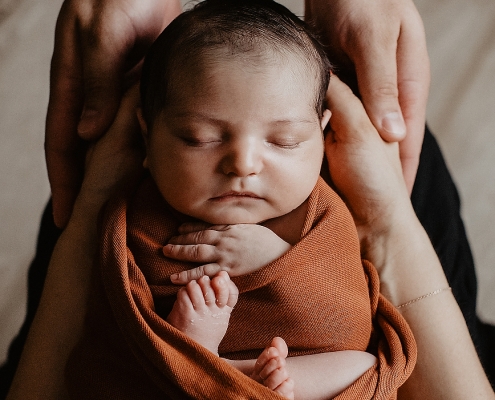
(233,111)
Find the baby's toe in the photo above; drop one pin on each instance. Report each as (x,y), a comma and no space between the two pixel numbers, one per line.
(271,366)
(207,290)
(276,378)
(221,288)
(195,293)
(286,389)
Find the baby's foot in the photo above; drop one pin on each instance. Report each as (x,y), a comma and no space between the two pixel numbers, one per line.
(202,309)
(271,371)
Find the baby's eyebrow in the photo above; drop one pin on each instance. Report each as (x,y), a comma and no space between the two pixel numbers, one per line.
(197,117)
(293,121)
(203,117)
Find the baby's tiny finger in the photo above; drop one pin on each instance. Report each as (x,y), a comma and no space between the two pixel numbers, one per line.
(200,253)
(220,228)
(189,227)
(203,236)
(184,277)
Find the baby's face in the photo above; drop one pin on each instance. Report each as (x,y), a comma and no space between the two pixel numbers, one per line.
(239,144)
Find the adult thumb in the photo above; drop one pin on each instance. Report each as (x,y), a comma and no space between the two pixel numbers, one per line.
(377,81)
(100,106)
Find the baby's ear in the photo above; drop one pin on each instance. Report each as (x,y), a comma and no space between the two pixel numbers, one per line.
(325,118)
(144,131)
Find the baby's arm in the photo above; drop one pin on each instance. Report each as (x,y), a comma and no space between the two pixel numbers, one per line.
(237,249)
(317,376)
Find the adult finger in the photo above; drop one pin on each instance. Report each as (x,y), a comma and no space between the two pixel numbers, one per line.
(413,82)
(184,277)
(349,121)
(116,160)
(374,55)
(103,56)
(63,148)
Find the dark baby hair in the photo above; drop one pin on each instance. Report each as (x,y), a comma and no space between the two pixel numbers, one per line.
(243,28)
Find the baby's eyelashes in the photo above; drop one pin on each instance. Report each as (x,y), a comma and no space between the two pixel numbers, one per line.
(286,145)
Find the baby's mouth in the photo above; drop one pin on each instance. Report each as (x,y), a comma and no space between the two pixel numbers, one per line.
(236,195)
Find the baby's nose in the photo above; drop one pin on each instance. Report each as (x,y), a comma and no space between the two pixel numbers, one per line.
(244,158)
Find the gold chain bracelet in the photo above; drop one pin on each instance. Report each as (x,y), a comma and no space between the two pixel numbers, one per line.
(434,293)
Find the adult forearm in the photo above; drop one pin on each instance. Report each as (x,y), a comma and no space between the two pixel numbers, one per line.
(60,315)
(447,367)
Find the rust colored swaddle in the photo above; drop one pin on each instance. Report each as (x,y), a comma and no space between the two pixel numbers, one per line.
(319,297)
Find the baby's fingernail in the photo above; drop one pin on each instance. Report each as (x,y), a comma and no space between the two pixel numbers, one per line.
(394,124)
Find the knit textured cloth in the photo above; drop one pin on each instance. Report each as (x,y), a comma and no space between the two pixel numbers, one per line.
(319,297)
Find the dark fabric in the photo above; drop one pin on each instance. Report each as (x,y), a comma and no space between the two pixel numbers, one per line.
(436,202)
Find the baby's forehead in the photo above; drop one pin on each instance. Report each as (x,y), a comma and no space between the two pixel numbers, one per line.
(260,59)
(219,72)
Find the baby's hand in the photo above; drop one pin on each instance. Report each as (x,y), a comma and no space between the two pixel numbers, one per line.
(237,249)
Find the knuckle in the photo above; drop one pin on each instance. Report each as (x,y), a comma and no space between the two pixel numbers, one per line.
(171,249)
(195,251)
(184,276)
(210,269)
(199,236)
(387,89)
(200,271)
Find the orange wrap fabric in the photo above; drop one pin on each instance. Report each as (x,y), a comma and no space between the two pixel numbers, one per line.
(319,297)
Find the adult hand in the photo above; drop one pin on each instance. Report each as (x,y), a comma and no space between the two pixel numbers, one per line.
(384,42)
(365,170)
(99,45)
(367,173)
(115,161)
(111,163)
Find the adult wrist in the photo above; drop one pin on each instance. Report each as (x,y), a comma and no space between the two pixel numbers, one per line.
(404,258)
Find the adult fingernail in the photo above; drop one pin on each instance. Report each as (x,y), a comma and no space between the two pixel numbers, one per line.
(88,122)
(394,123)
